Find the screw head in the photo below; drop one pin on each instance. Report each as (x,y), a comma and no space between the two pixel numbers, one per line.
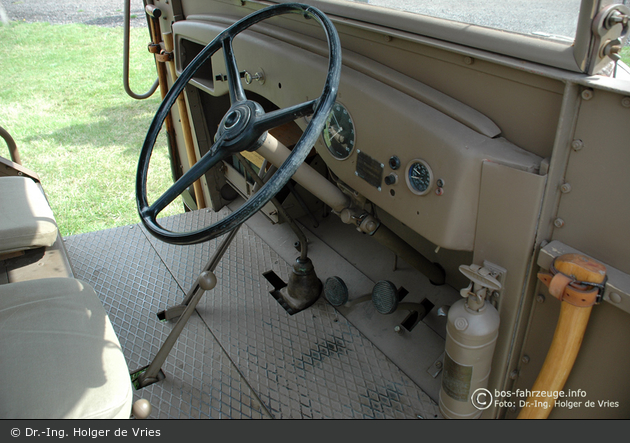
(587,94)
(577,144)
(565,188)
(625,102)
(540,298)
(558,223)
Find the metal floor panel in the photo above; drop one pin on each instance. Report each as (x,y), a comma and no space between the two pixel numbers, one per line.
(133,285)
(242,347)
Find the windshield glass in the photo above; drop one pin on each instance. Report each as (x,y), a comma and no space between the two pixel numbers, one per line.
(544,18)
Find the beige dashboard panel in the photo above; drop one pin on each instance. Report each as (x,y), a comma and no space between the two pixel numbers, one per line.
(387,123)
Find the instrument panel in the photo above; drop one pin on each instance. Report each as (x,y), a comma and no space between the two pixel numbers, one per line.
(413,161)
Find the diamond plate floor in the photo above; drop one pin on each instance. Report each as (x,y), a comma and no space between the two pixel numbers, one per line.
(241,355)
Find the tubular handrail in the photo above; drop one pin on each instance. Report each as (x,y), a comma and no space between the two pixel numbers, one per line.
(127,26)
(13,150)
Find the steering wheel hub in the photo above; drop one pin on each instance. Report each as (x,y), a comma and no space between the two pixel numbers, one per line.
(237,129)
(234,118)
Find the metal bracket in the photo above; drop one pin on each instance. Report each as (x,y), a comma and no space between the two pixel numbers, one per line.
(499,273)
(437,366)
(617,287)
(171,313)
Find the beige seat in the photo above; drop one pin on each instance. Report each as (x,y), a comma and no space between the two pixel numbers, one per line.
(26,220)
(59,355)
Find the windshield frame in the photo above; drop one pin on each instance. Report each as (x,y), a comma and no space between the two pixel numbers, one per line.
(556,53)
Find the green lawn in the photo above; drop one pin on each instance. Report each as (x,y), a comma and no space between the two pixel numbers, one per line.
(62,99)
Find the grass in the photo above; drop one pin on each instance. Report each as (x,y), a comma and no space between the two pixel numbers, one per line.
(62,100)
(625,55)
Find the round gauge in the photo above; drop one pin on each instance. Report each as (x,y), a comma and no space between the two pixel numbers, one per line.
(419,177)
(338,132)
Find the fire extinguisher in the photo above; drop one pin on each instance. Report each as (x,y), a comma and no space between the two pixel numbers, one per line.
(471,334)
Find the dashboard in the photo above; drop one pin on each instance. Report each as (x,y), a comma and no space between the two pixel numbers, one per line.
(412,152)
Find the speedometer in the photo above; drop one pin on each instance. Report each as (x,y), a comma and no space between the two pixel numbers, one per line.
(419,177)
(338,133)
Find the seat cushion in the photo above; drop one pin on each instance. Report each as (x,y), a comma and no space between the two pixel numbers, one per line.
(59,355)
(26,220)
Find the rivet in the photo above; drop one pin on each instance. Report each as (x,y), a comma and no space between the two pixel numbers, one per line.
(614,297)
(558,223)
(469,60)
(565,188)
(387,38)
(625,102)
(525,359)
(540,298)
(587,94)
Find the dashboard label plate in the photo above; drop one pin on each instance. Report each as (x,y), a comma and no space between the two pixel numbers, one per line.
(369,169)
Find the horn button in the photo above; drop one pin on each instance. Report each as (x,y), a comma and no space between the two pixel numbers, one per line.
(237,128)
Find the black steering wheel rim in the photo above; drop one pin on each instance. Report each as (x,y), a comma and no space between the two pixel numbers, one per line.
(226,143)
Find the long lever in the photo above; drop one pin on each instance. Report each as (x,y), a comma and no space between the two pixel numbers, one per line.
(206,281)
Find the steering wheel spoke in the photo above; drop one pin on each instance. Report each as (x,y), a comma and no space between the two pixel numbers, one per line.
(242,128)
(237,93)
(214,156)
(279,117)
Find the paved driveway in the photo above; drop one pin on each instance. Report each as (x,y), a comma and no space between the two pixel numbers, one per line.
(101,12)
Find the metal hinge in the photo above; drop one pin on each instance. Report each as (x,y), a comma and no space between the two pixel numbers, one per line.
(610,31)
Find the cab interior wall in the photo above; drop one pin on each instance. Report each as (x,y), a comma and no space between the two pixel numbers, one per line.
(607,340)
(296,73)
(493,210)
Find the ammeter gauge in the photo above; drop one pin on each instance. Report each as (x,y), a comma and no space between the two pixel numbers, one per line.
(419,177)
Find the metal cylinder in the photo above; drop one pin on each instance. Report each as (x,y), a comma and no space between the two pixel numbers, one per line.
(471,336)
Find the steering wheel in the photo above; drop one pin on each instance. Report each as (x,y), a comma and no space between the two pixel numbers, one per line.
(244,127)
